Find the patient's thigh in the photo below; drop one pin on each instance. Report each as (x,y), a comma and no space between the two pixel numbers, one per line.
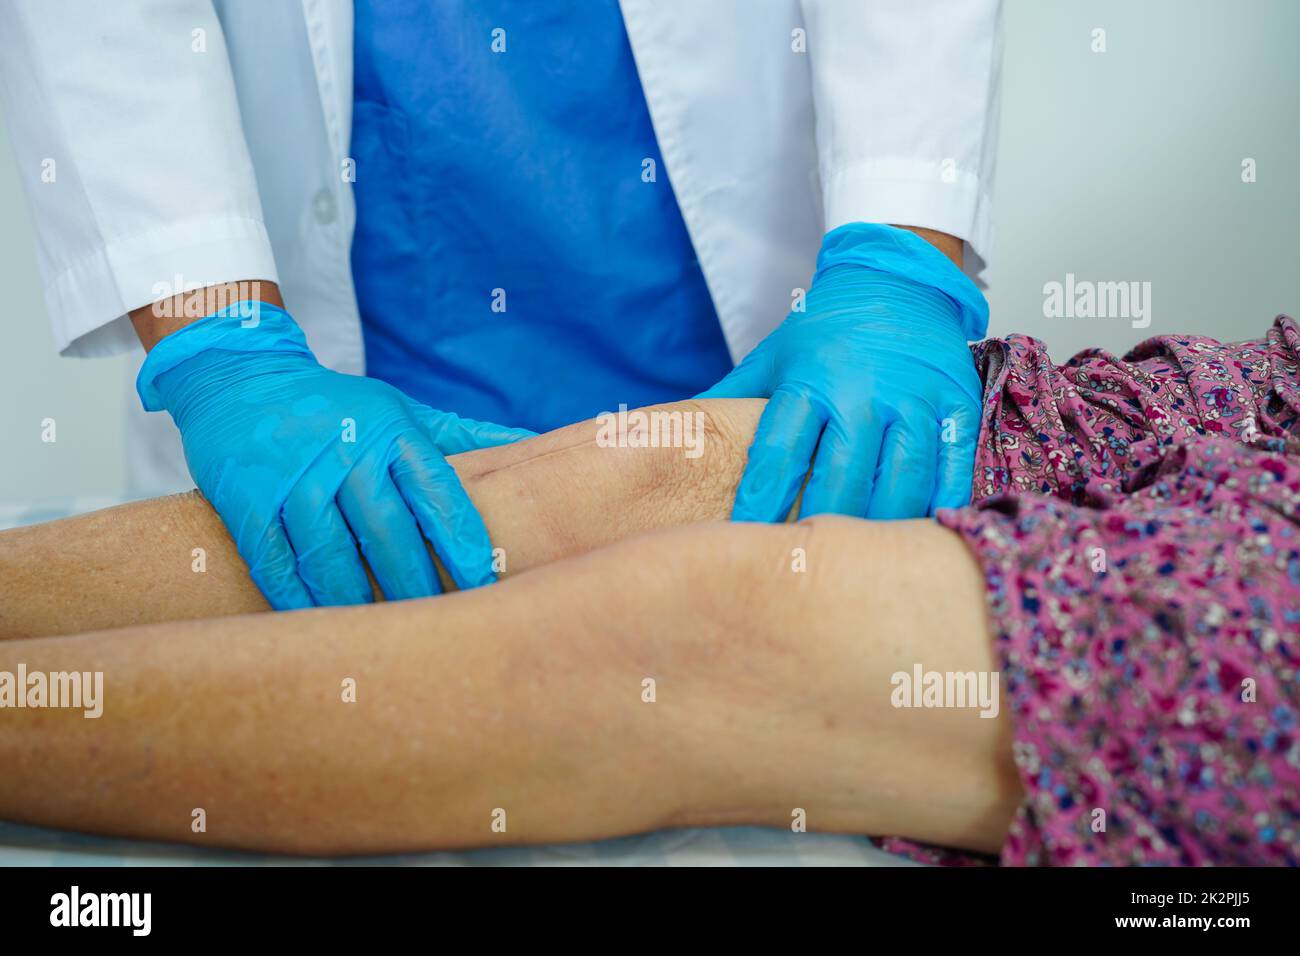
(794,688)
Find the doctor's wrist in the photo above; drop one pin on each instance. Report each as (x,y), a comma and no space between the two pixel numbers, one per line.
(161,318)
(905,255)
(244,338)
(950,246)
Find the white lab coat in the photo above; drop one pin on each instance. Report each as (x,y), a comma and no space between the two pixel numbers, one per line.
(166,144)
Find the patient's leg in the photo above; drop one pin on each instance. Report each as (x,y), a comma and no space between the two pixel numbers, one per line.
(543,499)
(771,695)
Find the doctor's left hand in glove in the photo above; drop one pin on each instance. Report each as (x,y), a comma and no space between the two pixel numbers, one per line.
(305,464)
(871,384)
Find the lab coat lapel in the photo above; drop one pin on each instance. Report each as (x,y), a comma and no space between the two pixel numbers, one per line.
(732,110)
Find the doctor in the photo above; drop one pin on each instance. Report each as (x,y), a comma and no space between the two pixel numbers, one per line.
(515,213)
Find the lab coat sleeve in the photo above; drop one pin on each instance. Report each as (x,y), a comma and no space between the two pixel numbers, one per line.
(130,151)
(906,96)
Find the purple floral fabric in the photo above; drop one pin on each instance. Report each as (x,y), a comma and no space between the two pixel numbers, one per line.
(1137,520)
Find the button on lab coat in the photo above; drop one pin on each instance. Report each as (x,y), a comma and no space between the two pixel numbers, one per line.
(191,142)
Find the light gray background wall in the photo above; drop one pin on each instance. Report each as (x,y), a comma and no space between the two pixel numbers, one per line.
(1123,165)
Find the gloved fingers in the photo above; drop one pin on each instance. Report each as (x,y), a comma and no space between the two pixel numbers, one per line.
(844,470)
(909,463)
(750,379)
(958,438)
(452,434)
(275,571)
(779,457)
(433,492)
(328,560)
(386,531)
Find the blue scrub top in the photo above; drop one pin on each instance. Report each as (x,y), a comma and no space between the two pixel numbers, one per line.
(519,171)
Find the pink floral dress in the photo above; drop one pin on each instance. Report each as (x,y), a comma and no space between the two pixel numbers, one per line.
(1138,524)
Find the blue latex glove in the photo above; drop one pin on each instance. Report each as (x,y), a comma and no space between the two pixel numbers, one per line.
(874,377)
(304,464)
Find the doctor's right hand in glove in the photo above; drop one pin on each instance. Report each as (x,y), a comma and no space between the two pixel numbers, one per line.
(305,464)
(871,386)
